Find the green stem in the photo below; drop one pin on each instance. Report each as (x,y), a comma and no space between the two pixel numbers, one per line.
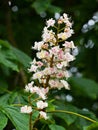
(55,27)
(30,121)
(61,29)
(3,89)
(17,105)
(73,113)
(36,99)
(58,28)
(30,115)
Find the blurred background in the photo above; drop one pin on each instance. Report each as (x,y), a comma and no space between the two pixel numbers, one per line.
(21,24)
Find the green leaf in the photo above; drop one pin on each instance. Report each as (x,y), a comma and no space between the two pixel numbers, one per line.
(4,99)
(87,114)
(13,97)
(35,115)
(84,87)
(42,6)
(3,85)
(22,57)
(50,107)
(7,57)
(72,118)
(4,44)
(56,127)
(69,119)
(11,57)
(54,9)
(19,120)
(3,121)
(7,62)
(93,126)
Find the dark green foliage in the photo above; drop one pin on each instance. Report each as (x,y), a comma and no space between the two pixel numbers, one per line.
(85,87)
(11,56)
(3,121)
(94,126)
(14,115)
(21,23)
(56,127)
(42,6)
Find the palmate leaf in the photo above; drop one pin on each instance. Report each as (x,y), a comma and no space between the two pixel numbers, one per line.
(7,57)
(12,57)
(3,121)
(19,120)
(42,6)
(73,115)
(4,99)
(93,126)
(56,127)
(83,122)
(69,119)
(22,58)
(14,97)
(8,63)
(84,87)
(6,51)
(54,9)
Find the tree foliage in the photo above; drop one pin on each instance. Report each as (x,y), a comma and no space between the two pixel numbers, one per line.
(21,23)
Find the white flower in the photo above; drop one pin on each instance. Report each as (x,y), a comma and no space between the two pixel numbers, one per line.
(33,68)
(41,94)
(49,71)
(43,115)
(69,44)
(60,54)
(54,50)
(34,89)
(48,35)
(29,86)
(55,84)
(59,66)
(33,62)
(60,74)
(68,24)
(26,109)
(65,16)
(64,63)
(50,22)
(69,57)
(68,32)
(42,54)
(39,63)
(62,36)
(63,19)
(51,67)
(46,71)
(38,45)
(66,85)
(37,75)
(45,90)
(41,104)
(67,74)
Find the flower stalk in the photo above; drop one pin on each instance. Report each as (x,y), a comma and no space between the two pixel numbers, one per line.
(73,113)
(49,69)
